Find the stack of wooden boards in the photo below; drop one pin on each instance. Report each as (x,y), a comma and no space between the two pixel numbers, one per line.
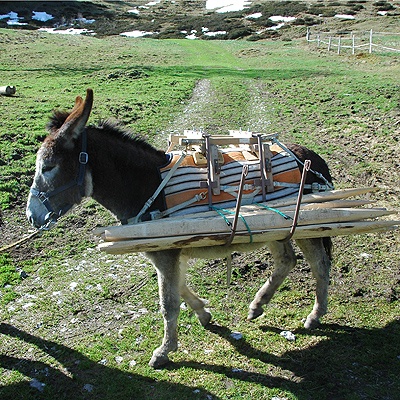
(323,214)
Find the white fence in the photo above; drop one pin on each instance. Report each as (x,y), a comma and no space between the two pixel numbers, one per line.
(355,41)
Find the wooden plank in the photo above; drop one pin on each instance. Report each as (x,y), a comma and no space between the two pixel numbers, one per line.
(322,197)
(311,199)
(218,239)
(255,220)
(234,138)
(223,140)
(328,204)
(332,204)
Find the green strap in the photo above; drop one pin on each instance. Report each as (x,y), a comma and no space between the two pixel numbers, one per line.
(274,210)
(221,212)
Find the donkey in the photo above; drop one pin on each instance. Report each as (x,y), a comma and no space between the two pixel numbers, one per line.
(121,173)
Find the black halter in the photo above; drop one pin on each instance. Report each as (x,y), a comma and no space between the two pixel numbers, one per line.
(44,197)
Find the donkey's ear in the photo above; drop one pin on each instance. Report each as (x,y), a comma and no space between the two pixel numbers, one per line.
(77,119)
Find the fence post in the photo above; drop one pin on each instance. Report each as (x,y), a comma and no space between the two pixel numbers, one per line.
(339,44)
(318,40)
(308,34)
(329,43)
(370,41)
(353,39)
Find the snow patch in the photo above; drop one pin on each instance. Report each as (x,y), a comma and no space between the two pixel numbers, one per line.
(280,18)
(11,15)
(345,16)
(192,35)
(223,6)
(254,16)
(276,27)
(85,21)
(12,22)
(213,34)
(41,16)
(282,21)
(153,3)
(70,31)
(13,18)
(136,34)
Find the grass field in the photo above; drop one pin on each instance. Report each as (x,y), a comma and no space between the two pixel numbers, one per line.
(84,324)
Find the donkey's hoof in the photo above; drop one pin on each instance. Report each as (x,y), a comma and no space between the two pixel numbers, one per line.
(158,361)
(254,313)
(205,318)
(311,323)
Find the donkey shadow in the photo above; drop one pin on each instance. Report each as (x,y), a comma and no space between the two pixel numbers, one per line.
(68,384)
(325,371)
(333,369)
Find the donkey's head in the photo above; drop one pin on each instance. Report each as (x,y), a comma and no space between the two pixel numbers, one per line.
(62,177)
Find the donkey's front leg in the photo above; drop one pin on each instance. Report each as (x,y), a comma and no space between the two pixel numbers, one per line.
(168,272)
(285,260)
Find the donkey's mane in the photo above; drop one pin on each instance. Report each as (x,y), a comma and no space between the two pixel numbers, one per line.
(57,120)
(110,127)
(118,131)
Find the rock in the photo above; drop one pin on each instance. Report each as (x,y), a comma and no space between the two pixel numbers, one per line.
(34,383)
(23,274)
(88,387)
(288,335)
(236,335)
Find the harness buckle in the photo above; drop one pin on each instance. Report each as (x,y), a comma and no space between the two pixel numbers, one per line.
(316,187)
(42,196)
(83,157)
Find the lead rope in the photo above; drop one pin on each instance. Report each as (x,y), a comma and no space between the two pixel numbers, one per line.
(20,241)
(38,232)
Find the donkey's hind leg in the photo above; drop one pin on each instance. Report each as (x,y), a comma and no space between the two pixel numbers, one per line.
(168,271)
(197,304)
(320,263)
(285,260)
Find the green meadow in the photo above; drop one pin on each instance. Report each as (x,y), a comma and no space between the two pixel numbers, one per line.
(78,324)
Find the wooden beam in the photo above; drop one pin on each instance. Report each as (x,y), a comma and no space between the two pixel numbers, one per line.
(260,219)
(218,239)
(7,90)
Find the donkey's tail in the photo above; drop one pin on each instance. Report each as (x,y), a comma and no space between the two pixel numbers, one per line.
(328,246)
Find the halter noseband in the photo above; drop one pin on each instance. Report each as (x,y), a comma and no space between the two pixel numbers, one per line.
(44,197)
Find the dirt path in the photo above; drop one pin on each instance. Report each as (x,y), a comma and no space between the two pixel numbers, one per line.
(194,114)
(197,113)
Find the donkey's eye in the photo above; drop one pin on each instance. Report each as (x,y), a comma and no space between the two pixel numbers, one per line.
(47,168)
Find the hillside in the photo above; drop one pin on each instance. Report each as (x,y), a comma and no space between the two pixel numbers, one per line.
(80,324)
(185,18)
